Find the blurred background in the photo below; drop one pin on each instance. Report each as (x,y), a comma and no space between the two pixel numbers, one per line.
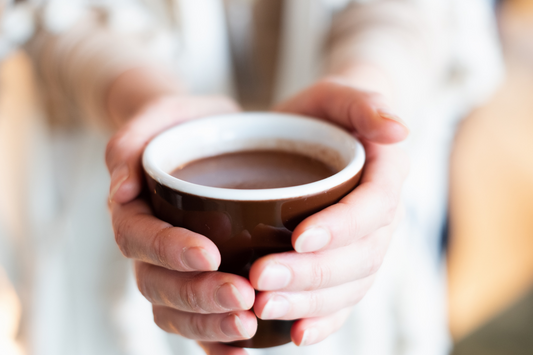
(490,255)
(490,259)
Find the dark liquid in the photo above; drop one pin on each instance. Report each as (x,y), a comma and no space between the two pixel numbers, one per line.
(260,169)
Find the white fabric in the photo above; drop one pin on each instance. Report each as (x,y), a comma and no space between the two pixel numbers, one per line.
(69,275)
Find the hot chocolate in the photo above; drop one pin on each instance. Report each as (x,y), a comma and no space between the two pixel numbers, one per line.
(251,220)
(254,169)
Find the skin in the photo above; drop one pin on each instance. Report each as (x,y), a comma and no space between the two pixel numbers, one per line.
(337,251)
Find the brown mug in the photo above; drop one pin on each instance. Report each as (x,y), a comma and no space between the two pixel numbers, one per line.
(246,225)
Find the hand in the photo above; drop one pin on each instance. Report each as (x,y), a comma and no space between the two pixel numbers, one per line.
(211,306)
(125,148)
(174,267)
(338,250)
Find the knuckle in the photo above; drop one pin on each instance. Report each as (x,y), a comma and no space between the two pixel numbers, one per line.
(189,298)
(159,245)
(320,276)
(353,226)
(316,304)
(143,278)
(197,328)
(140,275)
(352,110)
(122,240)
(352,221)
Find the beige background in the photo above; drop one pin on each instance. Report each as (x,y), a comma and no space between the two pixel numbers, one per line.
(491,202)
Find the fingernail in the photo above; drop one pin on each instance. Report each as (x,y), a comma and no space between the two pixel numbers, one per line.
(198,259)
(274,277)
(312,240)
(233,327)
(118,176)
(391,116)
(310,336)
(228,297)
(276,307)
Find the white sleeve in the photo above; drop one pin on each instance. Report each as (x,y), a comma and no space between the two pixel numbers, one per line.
(78,46)
(423,46)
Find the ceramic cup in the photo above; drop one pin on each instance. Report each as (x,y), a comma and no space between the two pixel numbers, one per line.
(248,224)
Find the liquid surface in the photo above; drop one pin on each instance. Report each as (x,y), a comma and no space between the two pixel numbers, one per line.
(261,169)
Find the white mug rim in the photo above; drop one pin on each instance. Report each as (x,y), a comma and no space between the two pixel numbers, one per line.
(353,167)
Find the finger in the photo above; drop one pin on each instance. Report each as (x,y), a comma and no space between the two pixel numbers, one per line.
(206,327)
(143,237)
(197,292)
(370,206)
(313,330)
(355,110)
(296,305)
(221,349)
(124,150)
(292,271)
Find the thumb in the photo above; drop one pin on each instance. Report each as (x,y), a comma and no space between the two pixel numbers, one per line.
(361,112)
(125,148)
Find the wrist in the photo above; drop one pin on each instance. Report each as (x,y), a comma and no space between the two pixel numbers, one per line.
(129,92)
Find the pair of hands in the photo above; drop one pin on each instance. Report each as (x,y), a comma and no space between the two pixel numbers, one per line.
(337,251)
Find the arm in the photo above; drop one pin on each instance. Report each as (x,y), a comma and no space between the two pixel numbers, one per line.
(166,268)
(372,210)
(400,49)
(339,250)
(383,56)
(136,98)
(78,51)
(162,275)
